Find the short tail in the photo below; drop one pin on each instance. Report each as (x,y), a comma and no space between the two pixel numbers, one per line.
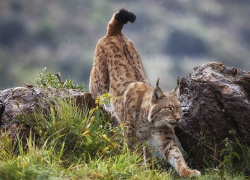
(118,20)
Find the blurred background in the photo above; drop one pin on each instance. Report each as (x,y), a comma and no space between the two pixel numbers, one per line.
(172,36)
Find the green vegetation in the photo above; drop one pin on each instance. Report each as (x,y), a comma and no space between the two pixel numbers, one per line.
(232,162)
(68,142)
(72,144)
(46,79)
(76,144)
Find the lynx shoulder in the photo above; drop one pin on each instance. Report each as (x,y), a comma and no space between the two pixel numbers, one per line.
(148,113)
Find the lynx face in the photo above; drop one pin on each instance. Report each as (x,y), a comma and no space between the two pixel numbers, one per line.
(165,108)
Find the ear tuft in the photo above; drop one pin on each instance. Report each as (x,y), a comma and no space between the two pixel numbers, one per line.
(157,83)
(157,94)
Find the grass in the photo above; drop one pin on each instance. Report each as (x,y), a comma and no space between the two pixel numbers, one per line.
(68,143)
(76,144)
(72,144)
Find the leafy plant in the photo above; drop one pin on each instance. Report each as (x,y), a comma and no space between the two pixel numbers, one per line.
(229,153)
(236,154)
(204,151)
(46,79)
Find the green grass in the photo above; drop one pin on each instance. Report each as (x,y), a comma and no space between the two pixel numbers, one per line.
(76,144)
(69,143)
(72,144)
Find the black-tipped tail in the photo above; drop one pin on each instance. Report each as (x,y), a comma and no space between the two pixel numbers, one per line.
(118,20)
(123,16)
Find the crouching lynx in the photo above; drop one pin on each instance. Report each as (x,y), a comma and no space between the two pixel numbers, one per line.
(149,114)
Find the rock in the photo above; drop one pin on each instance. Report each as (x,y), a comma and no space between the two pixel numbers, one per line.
(2,108)
(215,99)
(25,100)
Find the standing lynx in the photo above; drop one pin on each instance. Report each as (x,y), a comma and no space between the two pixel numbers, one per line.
(149,114)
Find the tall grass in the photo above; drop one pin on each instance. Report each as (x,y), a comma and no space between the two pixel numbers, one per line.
(76,133)
(75,144)
(71,143)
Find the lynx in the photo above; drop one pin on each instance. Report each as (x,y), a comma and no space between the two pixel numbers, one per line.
(149,114)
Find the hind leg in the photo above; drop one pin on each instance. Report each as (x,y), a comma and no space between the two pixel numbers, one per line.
(99,78)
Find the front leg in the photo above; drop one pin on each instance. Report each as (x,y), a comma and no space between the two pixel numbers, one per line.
(163,140)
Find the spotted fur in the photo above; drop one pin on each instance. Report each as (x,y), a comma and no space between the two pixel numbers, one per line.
(148,114)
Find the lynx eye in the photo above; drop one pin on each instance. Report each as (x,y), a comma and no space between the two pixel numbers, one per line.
(169,108)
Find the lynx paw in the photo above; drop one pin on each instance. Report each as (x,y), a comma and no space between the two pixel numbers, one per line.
(195,173)
(189,173)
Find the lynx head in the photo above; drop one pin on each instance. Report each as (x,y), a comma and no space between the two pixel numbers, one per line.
(165,107)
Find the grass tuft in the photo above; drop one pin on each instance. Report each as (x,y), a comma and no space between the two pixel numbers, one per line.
(77,144)
(71,143)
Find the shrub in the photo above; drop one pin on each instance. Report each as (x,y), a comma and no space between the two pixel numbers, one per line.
(45,79)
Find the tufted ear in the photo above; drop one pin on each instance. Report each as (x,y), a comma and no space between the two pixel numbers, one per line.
(177,89)
(157,92)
